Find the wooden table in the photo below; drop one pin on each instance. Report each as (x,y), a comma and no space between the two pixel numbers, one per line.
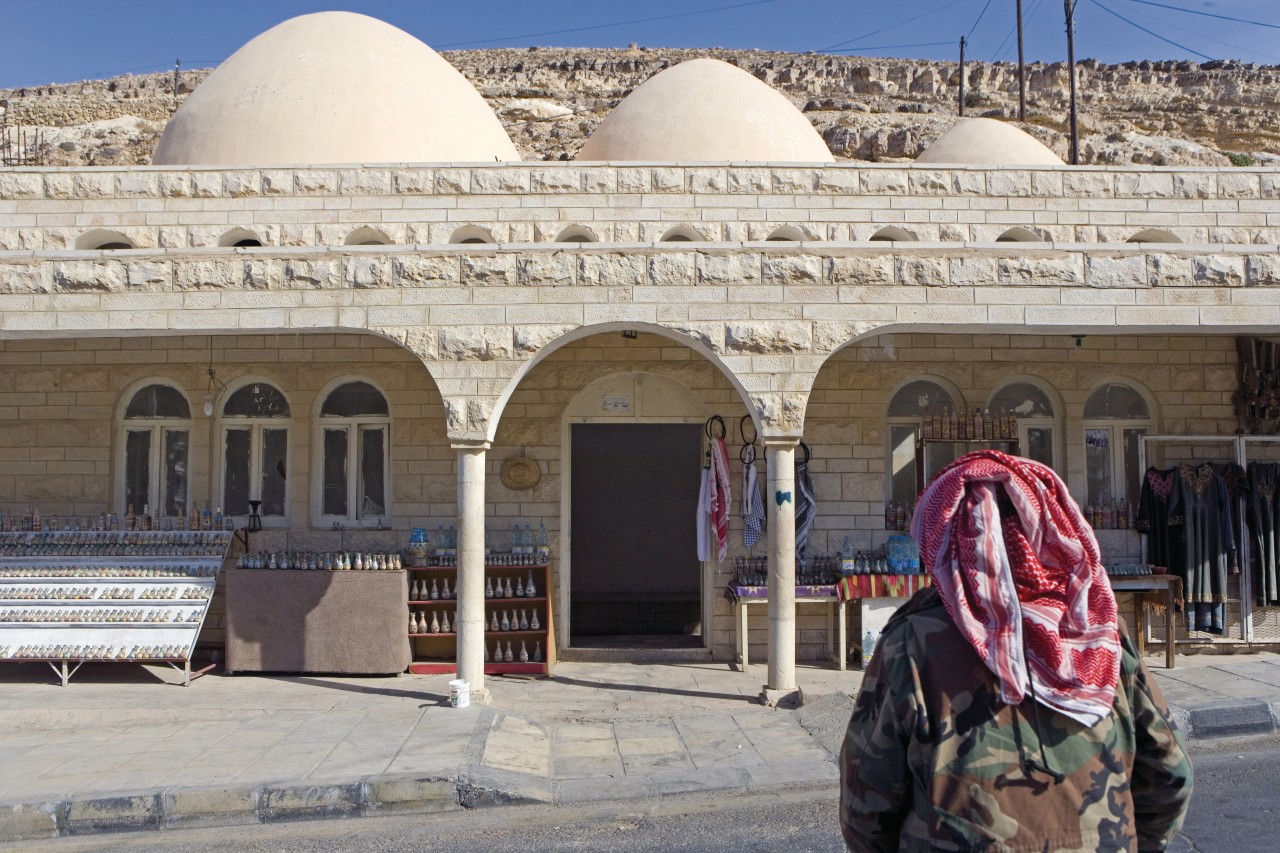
(746,597)
(1150,586)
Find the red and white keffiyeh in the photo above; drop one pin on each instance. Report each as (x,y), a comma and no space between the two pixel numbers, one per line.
(720,497)
(1028,592)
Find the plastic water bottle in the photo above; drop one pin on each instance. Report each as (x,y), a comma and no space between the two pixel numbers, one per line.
(528,539)
(541,540)
(868,646)
(515,539)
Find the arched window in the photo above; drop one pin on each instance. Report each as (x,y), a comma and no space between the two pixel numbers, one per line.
(1039,428)
(239,238)
(891,233)
(355,465)
(255,453)
(367,236)
(682,234)
(471,234)
(155,432)
(1116,416)
(102,239)
(1019,235)
(575,234)
(909,405)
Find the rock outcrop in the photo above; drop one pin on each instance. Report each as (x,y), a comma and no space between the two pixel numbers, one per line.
(1162,113)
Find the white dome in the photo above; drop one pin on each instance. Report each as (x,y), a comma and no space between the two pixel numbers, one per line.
(705,110)
(333,87)
(987,142)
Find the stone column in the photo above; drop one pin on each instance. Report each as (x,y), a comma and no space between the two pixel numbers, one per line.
(470,585)
(781,500)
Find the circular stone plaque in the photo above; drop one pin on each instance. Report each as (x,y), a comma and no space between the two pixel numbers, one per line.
(520,473)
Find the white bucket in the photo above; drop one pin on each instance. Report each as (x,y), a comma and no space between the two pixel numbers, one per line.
(459,693)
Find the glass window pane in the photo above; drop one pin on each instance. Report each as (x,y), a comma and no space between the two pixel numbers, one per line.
(1118,402)
(353,400)
(1040,445)
(1023,399)
(902,464)
(919,398)
(334,499)
(256,400)
(275,461)
(158,401)
(137,469)
(235,478)
(174,502)
(373,501)
(939,455)
(1132,476)
(1097,464)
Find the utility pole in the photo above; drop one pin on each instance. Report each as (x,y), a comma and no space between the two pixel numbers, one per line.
(1022,72)
(961,75)
(1070,6)
(177,64)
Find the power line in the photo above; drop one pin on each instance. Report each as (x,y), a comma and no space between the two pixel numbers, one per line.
(885,47)
(1003,50)
(1207,14)
(1208,38)
(1149,32)
(981,15)
(831,48)
(607,26)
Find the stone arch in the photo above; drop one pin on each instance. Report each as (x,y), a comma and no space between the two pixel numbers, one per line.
(786,233)
(699,346)
(892,233)
(368,236)
(577,234)
(682,234)
(472,234)
(103,239)
(1020,235)
(1154,235)
(239,238)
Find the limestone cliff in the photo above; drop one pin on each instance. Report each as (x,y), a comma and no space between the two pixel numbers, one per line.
(1163,113)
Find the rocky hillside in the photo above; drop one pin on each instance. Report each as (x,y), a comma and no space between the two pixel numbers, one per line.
(1163,113)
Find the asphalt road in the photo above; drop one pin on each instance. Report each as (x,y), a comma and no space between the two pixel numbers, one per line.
(1237,784)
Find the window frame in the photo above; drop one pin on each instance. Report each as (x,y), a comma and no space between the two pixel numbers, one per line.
(891,421)
(157,427)
(1117,428)
(256,426)
(1053,422)
(355,449)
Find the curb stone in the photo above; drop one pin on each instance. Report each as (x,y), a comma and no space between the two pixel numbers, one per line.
(1223,719)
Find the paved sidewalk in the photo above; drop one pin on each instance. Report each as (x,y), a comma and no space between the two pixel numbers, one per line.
(126,747)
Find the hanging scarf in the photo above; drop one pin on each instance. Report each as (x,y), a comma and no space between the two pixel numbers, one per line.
(751,508)
(720,497)
(1027,591)
(704,514)
(806,508)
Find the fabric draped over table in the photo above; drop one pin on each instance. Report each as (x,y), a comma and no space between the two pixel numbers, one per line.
(1262,511)
(1019,571)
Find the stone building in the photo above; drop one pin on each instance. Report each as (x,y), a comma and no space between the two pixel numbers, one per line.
(393,306)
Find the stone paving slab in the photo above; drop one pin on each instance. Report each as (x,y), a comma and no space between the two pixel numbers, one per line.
(118,750)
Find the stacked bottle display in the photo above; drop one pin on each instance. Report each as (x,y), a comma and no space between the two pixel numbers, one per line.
(982,425)
(31,521)
(896,516)
(1104,516)
(529,547)
(332,561)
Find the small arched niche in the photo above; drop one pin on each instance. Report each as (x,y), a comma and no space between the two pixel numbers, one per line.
(892,234)
(239,238)
(103,239)
(471,234)
(1154,235)
(1020,235)
(682,234)
(576,234)
(367,236)
(786,234)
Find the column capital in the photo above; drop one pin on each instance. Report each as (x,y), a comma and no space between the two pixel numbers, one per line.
(783,442)
(478,444)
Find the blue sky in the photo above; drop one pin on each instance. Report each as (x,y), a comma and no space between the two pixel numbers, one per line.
(44,41)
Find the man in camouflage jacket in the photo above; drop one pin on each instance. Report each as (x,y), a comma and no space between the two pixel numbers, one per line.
(934,760)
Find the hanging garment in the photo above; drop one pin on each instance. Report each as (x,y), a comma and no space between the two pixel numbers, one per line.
(704,515)
(1208,542)
(1237,483)
(1160,517)
(806,508)
(1263,515)
(751,507)
(1019,571)
(719,498)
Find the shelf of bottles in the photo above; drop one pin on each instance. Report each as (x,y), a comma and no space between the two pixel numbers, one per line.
(73,595)
(518,632)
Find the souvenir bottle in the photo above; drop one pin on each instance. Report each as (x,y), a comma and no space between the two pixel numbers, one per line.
(1122,515)
(506,622)
(413,622)
(193,520)
(519,588)
(497,652)
(524,653)
(444,622)
(217,519)
(975,429)
(487,658)
(435,623)
(488,587)
(537,652)
(926,427)
(130,520)
(510,593)
(988,428)
(415,589)
(890,514)
(1088,514)
(358,565)
(435,590)
(1108,516)
(494,625)
(509,657)
(901,522)
(529,591)
(206,518)
(524,621)
(446,593)
(534,624)
(146,517)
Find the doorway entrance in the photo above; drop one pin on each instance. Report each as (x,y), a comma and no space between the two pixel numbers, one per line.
(636,575)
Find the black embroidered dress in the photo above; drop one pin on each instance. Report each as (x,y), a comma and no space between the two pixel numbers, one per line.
(1262,512)
(1208,542)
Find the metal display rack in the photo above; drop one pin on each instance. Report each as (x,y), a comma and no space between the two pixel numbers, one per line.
(69,597)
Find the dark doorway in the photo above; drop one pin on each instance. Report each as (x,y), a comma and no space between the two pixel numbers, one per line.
(635,564)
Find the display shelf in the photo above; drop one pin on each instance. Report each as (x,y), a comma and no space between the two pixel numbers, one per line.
(434,654)
(156,584)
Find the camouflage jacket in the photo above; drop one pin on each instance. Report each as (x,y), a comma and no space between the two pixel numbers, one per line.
(934,760)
